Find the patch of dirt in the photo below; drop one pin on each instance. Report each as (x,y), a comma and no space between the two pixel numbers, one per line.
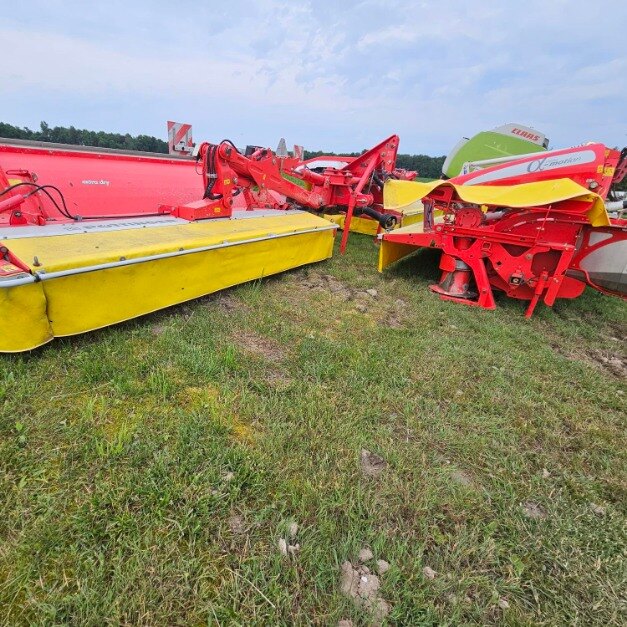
(262,346)
(228,302)
(363,299)
(462,478)
(286,549)
(360,585)
(372,465)
(365,555)
(533,510)
(335,286)
(363,296)
(277,379)
(395,317)
(292,530)
(382,567)
(391,322)
(326,282)
(282,544)
(236,524)
(613,362)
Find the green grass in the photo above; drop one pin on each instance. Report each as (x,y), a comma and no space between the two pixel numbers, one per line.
(125,453)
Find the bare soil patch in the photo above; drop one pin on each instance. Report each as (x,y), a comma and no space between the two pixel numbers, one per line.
(261,346)
(236,524)
(362,586)
(462,478)
(534,510)
(228,302)
(372,465)
(614,362)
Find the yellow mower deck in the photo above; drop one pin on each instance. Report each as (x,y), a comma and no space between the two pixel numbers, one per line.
(91,275)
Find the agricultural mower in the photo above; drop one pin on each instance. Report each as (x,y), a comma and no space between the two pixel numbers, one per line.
(91,237)
(537,227)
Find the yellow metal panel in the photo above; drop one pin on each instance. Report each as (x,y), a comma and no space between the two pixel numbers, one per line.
(397,194)
(23,319)
(364,226)
(65,252)
(91,300)
(412,218)
(390,252)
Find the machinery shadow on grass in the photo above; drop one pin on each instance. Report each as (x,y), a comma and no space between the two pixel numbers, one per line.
(423,265)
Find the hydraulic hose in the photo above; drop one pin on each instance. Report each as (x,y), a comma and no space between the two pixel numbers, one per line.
(386,220)
(211,173)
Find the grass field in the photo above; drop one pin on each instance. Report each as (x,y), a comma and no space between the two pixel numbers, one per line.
(148,471)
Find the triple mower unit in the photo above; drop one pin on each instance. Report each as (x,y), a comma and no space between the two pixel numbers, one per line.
(91,237)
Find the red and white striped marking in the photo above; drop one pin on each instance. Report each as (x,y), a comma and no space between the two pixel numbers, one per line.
(180,138)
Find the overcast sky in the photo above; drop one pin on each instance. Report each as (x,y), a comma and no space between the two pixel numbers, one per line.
(327,74)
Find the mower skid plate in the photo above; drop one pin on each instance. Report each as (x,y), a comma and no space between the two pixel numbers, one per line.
(86,276)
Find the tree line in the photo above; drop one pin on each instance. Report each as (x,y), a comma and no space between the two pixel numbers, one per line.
(426,166)
(83,137)
(429,167)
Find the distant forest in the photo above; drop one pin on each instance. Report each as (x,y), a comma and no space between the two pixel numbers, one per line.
(82,137)
(428,167)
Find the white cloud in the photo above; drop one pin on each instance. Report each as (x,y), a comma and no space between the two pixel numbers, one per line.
(392,35)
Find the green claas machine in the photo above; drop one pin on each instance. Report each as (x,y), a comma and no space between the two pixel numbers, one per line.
(489,147)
